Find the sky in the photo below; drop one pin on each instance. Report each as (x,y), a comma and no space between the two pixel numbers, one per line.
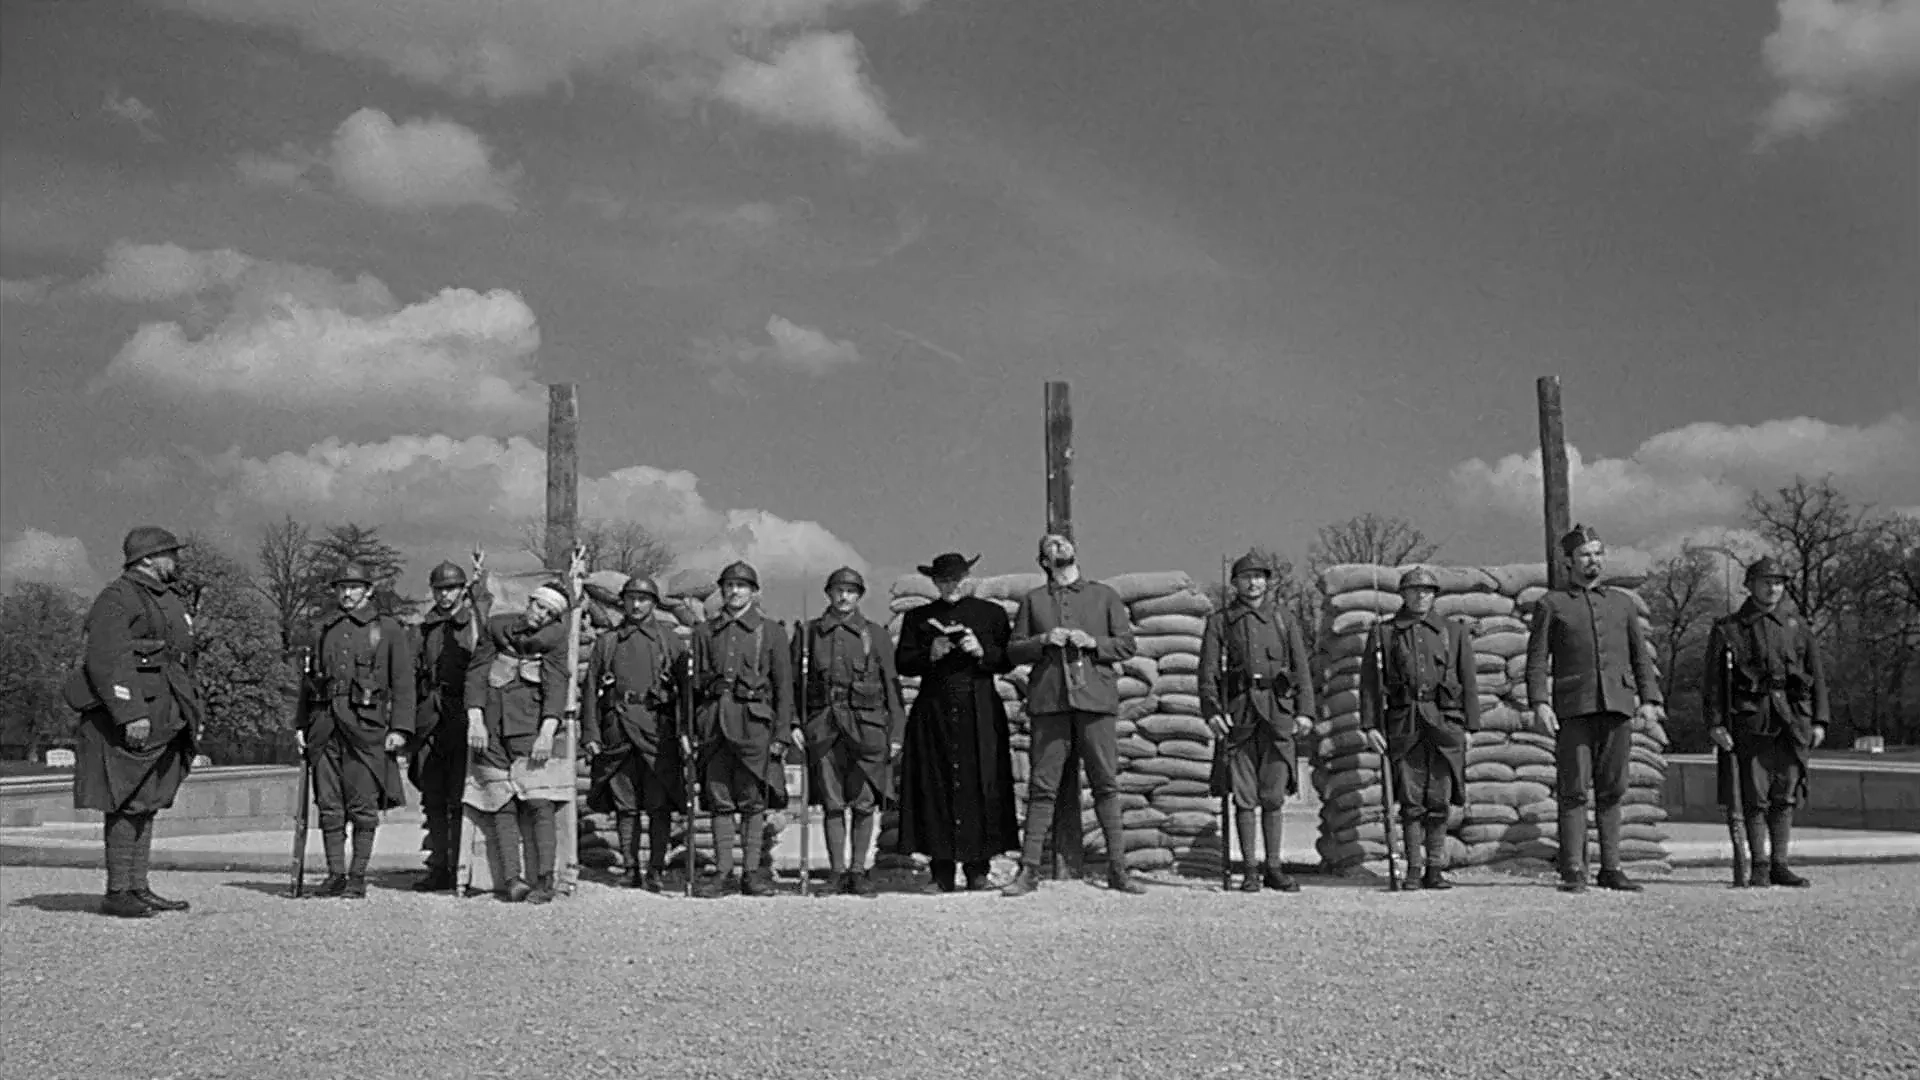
(811,262)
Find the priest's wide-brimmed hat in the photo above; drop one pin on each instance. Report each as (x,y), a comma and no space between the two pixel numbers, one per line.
(950,565)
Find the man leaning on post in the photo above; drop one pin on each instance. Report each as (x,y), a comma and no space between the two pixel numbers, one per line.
(1075,633)
(1590,678)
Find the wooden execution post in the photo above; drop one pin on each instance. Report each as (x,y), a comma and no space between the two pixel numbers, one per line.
(563,520)
(1069,841)
(1556,503)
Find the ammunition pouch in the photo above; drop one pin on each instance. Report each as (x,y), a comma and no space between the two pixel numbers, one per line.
(752,687)
(361,696)
(866,696)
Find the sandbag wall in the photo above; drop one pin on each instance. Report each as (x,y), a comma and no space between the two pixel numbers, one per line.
(1511,815)
(1165,750)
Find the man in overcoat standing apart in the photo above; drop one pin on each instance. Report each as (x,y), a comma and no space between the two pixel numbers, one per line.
(1075,633)
(956,762)
(140,708)
(1590,678)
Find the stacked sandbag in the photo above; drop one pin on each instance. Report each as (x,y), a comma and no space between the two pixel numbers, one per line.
(1511,814)
(1164,746)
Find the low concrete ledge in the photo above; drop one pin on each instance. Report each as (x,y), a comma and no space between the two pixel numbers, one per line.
(214,799)
(1841,794)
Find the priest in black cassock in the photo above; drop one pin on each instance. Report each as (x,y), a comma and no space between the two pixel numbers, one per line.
(956,770)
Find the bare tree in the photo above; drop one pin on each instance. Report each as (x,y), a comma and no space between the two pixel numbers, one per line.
(624,547)
(1684,594)
(1369,538)
(1811,527)
(286,573)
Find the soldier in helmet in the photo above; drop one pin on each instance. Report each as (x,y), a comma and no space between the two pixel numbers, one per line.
(854,723)
(743,688)
(1586,658)
(1766,702)
(627,729)
(1419,701)
(1257,714)
(139,712)
(516,694)
(437,766)
(358,713)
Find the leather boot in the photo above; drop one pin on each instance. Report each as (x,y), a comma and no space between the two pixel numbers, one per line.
(977,879)
(942,880)
(1024,882)
(160,903)
(122,904)
(334,886)
(542,891)
(1249,877)
(1276,877)
(1120,881)
(858,884)
(756,883)
(1758,876)
(516,891)
(437,880)
(1779,837)
(1617,880)
(356,887)
(1413,837)
(1573,849)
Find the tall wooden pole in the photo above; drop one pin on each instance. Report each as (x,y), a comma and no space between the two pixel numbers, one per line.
(1555,500)
(1069,840)
(563,473)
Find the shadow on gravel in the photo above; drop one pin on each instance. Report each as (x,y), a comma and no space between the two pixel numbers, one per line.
(267,888)
(59,902)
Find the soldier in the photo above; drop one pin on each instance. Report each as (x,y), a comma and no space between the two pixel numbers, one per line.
(628,731)
(438,763)
(1266,705)
(516,693)
(1419,700)
(140,709)
(1075,633)
(1766,699)
(956,761)
(358,714)
(1586,656)
(854,723)
(744,691)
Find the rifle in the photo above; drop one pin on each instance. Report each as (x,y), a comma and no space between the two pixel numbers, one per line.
(1226,767)
(1388,797)
(689,768)
(569,840)
(1736,810)
(806,826)
(304,796)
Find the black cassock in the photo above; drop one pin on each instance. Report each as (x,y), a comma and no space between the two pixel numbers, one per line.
(956,769)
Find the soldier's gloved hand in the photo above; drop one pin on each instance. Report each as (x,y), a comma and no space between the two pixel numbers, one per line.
(1377,739)
(137,732)
(970,644)
(1217,724)
(1723,738)
(1544,719)
(1302,725)
(396,742)
(476,730)
(1819,734)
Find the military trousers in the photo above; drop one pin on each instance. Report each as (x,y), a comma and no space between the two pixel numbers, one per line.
(1425,783)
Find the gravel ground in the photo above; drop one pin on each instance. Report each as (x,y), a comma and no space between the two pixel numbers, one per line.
(1502,977)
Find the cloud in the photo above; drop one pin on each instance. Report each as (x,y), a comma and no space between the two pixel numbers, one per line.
(33,555)
(421,164)
(297,337)
(1832,55)
(793,347)
(814,82)
(131,110)
(1702,473)
(25,290)
(748,53)
(460,490)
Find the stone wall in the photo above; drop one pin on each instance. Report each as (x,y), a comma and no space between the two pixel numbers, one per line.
(1510,813)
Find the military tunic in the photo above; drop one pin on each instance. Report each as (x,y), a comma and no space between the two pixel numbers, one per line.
(1268,683)
(1588,657)
(138,666)
(1770,698)
(438,766)
(630,713)
(956,758)
(853,712)
(517,678)
(1417,685)
(745,713)
(363,690)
